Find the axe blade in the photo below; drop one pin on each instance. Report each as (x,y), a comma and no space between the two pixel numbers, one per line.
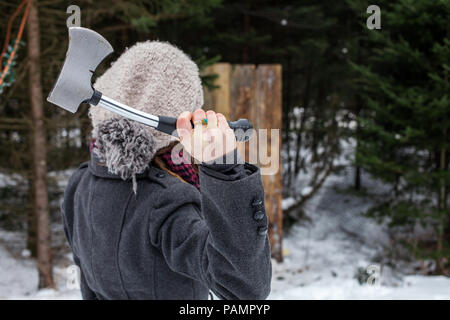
(86,51)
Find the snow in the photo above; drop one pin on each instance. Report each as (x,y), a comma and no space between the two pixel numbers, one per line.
(19,277)
(307,190)
(414,288)
(287,202)
(9,180)
(322,254)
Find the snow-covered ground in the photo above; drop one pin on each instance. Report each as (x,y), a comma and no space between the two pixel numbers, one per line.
(19,280)
(322,255)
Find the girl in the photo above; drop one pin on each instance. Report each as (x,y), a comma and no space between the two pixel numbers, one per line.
(141,225)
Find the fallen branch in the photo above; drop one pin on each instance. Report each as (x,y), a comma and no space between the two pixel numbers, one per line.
(301,201)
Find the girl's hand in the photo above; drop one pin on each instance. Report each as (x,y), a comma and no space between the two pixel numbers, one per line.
(205,142)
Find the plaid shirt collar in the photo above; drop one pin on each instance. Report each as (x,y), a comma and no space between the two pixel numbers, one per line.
(185,170)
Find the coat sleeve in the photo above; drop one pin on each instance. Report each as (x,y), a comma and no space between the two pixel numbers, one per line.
(220,238)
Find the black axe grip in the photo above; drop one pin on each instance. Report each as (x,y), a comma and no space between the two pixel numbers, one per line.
(240,127)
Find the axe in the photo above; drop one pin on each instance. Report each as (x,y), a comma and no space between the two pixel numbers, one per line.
(86,51)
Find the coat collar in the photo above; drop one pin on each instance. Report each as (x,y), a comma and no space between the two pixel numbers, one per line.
(101,171)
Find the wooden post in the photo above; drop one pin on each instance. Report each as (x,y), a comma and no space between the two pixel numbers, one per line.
(247,91)
(220,98)
(267,115)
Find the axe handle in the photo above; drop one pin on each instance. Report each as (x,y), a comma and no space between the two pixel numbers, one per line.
(124,110)
(242,128)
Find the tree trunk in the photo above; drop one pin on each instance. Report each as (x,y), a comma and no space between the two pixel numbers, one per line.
(31,218)
(245,48)
(287,123)
(299,142)
(246,30)
(357,178)
(39,167)
(444,190)
(357,185)
(358,108)
(442,205)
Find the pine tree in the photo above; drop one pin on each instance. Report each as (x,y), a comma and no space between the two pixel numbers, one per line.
(404,138)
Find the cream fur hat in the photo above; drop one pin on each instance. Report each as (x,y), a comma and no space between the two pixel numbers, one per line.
(154,77)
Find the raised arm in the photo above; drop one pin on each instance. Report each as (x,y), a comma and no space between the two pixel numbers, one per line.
(220,240)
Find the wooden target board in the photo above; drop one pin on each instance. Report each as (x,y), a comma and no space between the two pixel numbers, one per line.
(255,93)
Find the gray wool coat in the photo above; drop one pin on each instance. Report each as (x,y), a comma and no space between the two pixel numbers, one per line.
(169,241)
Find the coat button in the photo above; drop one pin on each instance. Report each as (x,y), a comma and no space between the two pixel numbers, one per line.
(262,231)
(160,175)
(257,202)
(258,215)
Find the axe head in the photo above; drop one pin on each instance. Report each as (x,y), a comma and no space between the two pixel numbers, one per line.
(87,49)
